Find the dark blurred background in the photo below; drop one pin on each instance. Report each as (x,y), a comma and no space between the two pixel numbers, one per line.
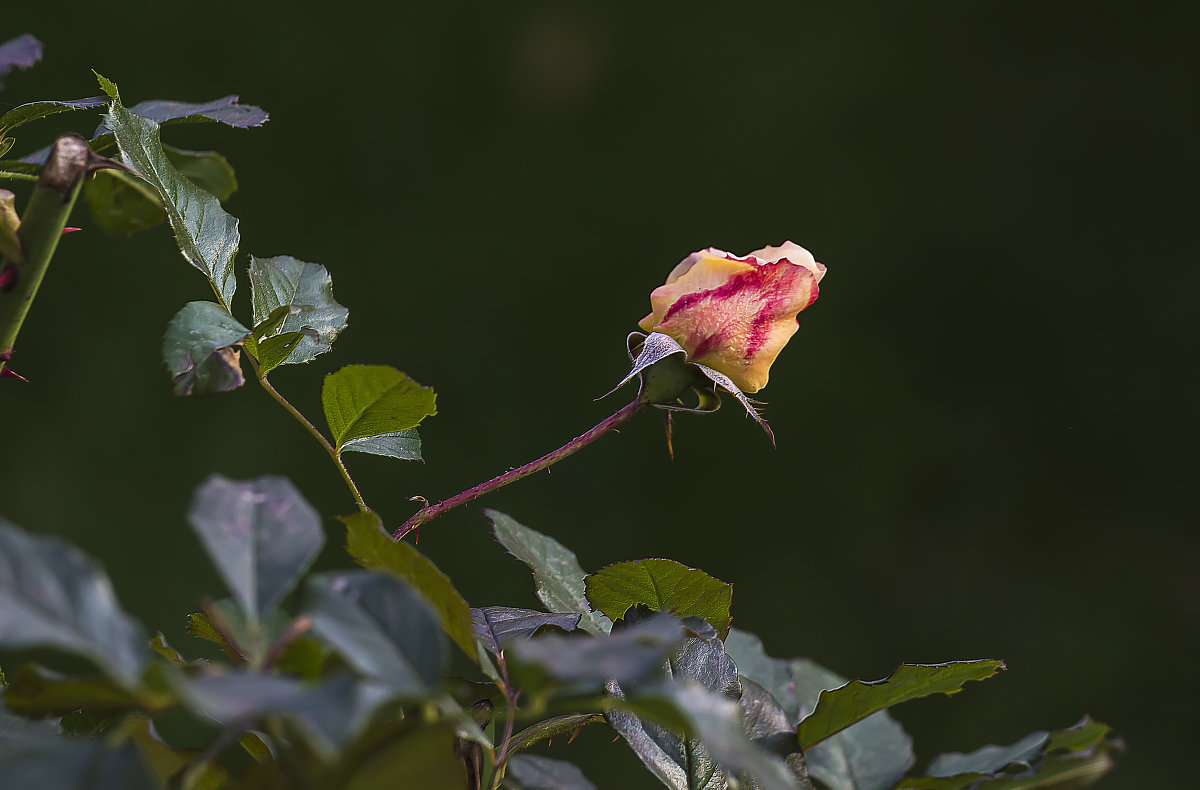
(986,423)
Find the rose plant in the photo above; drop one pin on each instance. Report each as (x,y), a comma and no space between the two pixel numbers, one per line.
(350,686)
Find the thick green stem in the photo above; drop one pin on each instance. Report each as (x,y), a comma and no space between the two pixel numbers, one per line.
(53,198)
(429,513)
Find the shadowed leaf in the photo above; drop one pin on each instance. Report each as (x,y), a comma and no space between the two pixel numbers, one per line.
(37,110)
(122,204)
(18,53)
(55,596)
(555,727)
(207,236)
(274,351)
(495,625)
(306,289)
(71,764)
(556,571)
(261,534)
(381,627)
(373,548)
(371,401)
(167,762)
(531,772)
(38,692)
(664,586)
(767,726)
(201,350)
(208,170)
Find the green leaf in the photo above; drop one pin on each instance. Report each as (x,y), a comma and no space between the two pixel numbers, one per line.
(366,402)
(38,692)
(328,715)
(199,626)
(274,351)
(556,571)
(664,586)
(840,708)
(555,727)
(871,755)
(1078,754)
(261,534)
(168,762)
(122,204)
(306,289)
(381,627)
(625,656)
(373,548)
(271,324)
(697,715)
(37,110)
(52,595)
(496,625)
(424,757)
(208,170)
(207,236)
(201,350)
(531,772)
(402,445)
(71,764)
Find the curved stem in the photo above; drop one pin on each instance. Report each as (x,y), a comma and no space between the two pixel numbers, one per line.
(316,434)
(430,512)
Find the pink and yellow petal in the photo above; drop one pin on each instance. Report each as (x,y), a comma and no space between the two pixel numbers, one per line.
(710,270)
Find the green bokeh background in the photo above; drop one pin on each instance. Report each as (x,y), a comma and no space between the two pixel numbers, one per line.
(986,423)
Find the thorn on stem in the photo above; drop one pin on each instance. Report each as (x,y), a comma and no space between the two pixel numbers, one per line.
(9,373)
(70,230)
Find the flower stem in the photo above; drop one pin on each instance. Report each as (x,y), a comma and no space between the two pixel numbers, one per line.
(430,512)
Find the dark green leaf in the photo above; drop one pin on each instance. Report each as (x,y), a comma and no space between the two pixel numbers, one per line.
(122,204)
(201,350)
(690,714)
(274,351)
(6,144)
(423,757)
(556,571)
(626,655)
(381,627)
(166,762)
(1078,754)
(71,764)
(52,595)
(43,109)
(373,548)
(306,289)
(871,755)
(38,692)
(208,170)
(839,708)
(531,772)
(207,236)
(555,727)
(19,53)
(371,401)
(261,534)
(495,625)
(271,324)
(329,715)
(664,586)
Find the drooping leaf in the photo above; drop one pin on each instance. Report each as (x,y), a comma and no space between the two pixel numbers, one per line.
(767,726)
(261,534)
(532,772)
(495,625)
(71,764)
(381,627)
(546,730)
(122,204)
(1074,757)
(373,548)
(207,236)
(625,656)
(306,289)
(694,716)
(18,53)
(52,595)
(556,571)
(664,586)
(329,715)
(840,708)
(201,350)
(37,692)
(227,110)
(873,754)
(364,402)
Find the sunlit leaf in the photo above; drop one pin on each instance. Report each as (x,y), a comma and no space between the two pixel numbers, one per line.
(664,586)
(54,596)
(373,548)
(370,401)
(495,625)
(207,236)
(556,571)
(381,627)
(532,772)
(201,350)
(306,289)
(261,534)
